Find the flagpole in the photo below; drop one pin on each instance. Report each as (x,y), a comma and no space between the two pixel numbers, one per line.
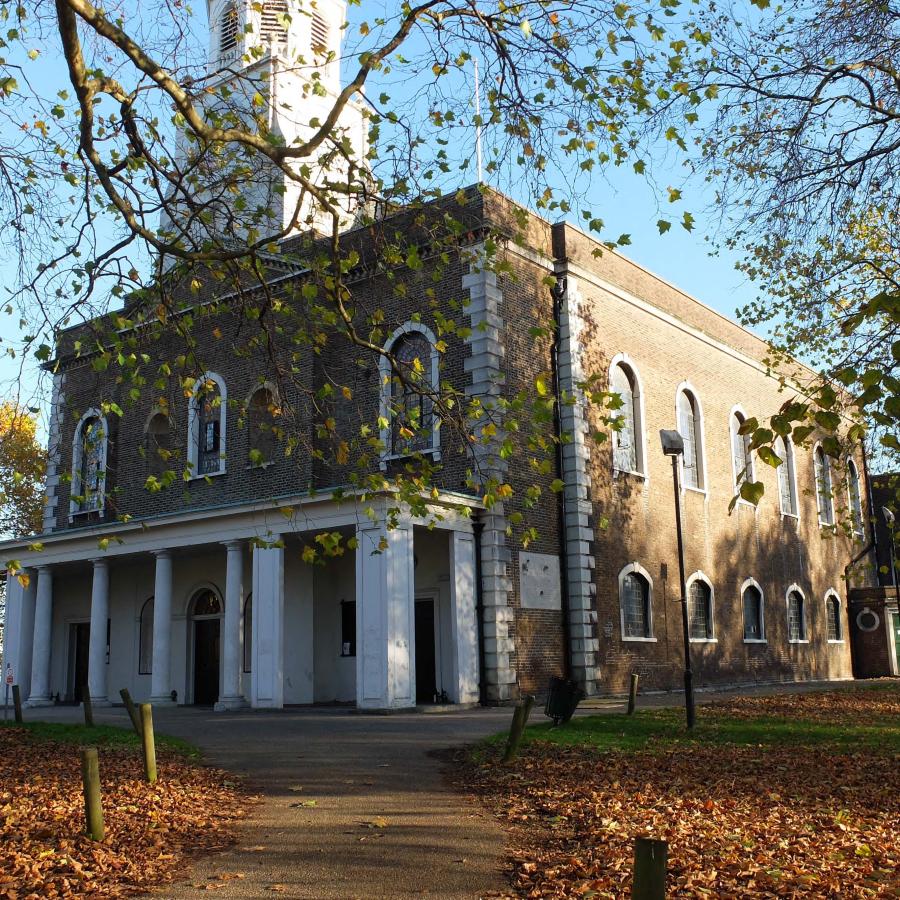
(478,125)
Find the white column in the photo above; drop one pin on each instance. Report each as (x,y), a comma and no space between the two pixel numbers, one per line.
(12,630)
(267,687)
(43,628)
(385,616)
(463,617)
(230,694)
(161,678)
(97,644)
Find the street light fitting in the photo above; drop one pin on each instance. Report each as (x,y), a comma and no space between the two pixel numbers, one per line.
(888,516)
(672,442)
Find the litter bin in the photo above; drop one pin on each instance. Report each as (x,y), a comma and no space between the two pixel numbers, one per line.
(562,700)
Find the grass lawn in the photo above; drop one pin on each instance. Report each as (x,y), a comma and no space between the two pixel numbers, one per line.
(151,830)
(791,795)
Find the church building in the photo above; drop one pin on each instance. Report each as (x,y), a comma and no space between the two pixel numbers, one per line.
(201,593)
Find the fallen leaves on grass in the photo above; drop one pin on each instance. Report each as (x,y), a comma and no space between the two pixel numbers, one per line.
(741,821)
(150,829)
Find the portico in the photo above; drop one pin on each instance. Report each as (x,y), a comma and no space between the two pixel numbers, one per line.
(224,610)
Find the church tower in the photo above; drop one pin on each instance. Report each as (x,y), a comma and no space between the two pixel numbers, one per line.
(274,67)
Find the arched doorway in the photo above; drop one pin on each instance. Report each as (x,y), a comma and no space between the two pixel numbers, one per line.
(206,615)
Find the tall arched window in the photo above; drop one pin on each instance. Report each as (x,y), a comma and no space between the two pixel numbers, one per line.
(228,30)
(855,497)
(754,624)
(796,608)
(145,651)
(741,458)
(89,451)
(627,440)
(636,604)
(248,633)
(691,430)
(261,427)
(700,609)
(406,401)
(158,443)
(206,425)
(787,476)
(823,487)
(833,627)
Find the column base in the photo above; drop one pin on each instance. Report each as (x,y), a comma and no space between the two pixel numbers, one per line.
(161,701)
(37,702)
(99,703)
(230,704)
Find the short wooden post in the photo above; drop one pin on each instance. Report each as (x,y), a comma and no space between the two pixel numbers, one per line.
(632,693)
(519,721)
(132,710)
(148,742)
(17,704)
(650,858)
(93,806)
(87,707)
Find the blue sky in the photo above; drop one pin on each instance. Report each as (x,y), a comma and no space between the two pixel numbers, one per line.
(625,202)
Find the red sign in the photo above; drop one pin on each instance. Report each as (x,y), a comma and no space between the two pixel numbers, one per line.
(10,678)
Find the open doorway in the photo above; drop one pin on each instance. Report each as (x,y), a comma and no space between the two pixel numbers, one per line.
(79,650)
(426,657)
(206,620)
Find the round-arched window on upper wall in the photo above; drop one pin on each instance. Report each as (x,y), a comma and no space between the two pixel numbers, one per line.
(206,602)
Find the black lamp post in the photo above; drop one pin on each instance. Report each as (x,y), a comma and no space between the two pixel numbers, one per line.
(889,521)
(673,445)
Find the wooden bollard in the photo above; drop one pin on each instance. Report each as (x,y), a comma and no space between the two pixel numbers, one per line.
(87,706)
(93,806)
(132,710)
(519,721)
(148,742)
(650,858)
(17,704)
(632,693)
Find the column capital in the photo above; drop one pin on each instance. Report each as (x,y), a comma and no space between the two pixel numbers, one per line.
(234,545)
(43,567)
(99,562)
(162,554)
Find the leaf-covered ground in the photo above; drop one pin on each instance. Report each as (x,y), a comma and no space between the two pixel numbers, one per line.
(788,796)
(150,829)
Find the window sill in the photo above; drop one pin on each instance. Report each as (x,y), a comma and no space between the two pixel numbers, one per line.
(798,641)
(830,641)
(641,640)
(704,640)
(694,490)
(207,475)
(742,502)
(756,640)
(790,515)
(434,452)
(617,473)
(263,465)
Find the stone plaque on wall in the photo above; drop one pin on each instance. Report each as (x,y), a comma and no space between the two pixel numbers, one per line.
(539,580)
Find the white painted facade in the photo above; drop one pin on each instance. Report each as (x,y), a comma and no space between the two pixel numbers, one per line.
(297,652)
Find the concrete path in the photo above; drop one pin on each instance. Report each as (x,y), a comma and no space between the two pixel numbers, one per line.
(354,806)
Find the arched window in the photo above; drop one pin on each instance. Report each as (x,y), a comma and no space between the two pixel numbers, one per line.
(206,602)
(206,425)
(627,441)
(158,443)
(274,22)
(855,496)
(787,476)
(700,608)
(145,651)
(261,428)
(248,633)
(796,616)
(823,487)
(228,30)
(754,623)
(405,392)
(635,604)
(88,484)
(833,617)
(741,458)
(690,428)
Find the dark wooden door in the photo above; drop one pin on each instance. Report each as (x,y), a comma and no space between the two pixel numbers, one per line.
(426,684)
(82,654)
(206,661)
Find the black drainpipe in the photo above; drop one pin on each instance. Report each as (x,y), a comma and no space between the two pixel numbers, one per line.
(478,527)
(557,292)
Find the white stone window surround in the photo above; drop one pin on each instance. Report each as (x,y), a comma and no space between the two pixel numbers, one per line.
(752,582)
(637,569)
(687,388)
(828,485)
(804,630)
(640,430)
(385,396)
(75,486)
(736,418)
(789,460)
(194,426)
(832,594)
(701,576)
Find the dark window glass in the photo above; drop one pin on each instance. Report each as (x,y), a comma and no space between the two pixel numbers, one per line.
(823,487)
(626,438)
(207,603)
(348,628)
(833,618)
(700,611)
(411,407)
(248,633)
(636,605)
(145,658)
(689,429)
(261,427)
(753,614)
(158,444)
(796,618)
